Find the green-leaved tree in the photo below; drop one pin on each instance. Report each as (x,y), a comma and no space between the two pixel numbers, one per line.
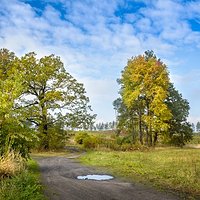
(51,95)
(14,133)
(180,130)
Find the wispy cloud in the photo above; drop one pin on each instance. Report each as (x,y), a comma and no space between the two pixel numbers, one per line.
(95,38)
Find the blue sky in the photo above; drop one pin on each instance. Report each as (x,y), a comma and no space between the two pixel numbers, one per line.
(96,38)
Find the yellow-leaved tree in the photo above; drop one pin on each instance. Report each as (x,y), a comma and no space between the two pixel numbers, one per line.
(144,89)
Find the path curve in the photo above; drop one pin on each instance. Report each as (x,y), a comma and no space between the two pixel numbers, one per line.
(59,177)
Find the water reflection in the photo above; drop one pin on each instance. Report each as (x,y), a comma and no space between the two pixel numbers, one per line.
(95,177)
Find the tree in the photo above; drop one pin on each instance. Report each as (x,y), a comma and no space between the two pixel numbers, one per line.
(198,127)
(193,127)
(14,132)
(126,118)
(180,130)
(51,94)
(144,87)
(150,106)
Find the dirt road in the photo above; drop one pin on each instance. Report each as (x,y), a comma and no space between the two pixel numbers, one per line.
(59,177)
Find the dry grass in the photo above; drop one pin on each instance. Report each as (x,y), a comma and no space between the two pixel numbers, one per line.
(11,164)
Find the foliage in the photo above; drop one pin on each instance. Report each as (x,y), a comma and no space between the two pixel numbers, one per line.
(127,119)
(89,141)
(180,130)
(176,169)
(80,136)
(144,85)
(195,139)
(51,94)
(150,108)
(193,127)
(25,185)
(57,137)
(36,97)
(14,132)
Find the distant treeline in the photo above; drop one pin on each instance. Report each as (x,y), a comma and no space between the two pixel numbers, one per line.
(104,126)
(196,128)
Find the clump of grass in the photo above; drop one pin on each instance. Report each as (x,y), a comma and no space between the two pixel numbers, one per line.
(176,169)
(11,164)
(24,185)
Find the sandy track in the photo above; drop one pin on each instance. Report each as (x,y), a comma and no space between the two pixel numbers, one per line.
(59,177)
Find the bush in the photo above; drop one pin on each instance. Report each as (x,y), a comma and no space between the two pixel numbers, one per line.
(80,136)
(88,141)
(91,142)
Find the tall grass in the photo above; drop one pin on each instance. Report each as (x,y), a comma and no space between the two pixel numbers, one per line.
(19,180)
(11,164)
(176,169)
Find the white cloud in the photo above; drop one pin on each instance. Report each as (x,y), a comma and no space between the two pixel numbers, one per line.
(92,40)
(102,93)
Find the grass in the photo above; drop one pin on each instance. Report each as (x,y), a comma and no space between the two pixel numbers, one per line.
(25,185)
(169,168)
(196,139)
(11,164)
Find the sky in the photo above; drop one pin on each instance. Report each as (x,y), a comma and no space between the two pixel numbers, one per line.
(95,38)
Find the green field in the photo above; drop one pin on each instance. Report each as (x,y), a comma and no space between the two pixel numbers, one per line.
(168,168)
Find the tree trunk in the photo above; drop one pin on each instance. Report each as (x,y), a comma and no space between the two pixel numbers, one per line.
(150,136)
(147,136)
(155,138)
(140,129)
(45,127)
(133,131)
(45,132)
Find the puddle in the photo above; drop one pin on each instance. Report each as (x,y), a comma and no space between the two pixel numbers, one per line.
(95,177)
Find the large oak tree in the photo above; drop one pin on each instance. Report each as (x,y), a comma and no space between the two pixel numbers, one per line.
(51,94)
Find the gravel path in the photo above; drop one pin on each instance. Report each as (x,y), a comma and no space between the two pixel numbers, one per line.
(59,177)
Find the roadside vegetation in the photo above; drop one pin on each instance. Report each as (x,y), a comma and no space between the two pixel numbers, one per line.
(19,180)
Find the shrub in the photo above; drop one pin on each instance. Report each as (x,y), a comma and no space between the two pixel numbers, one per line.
(80,136)
(91,142)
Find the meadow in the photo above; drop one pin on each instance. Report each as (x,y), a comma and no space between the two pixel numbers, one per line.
(168,168)
(174,169)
